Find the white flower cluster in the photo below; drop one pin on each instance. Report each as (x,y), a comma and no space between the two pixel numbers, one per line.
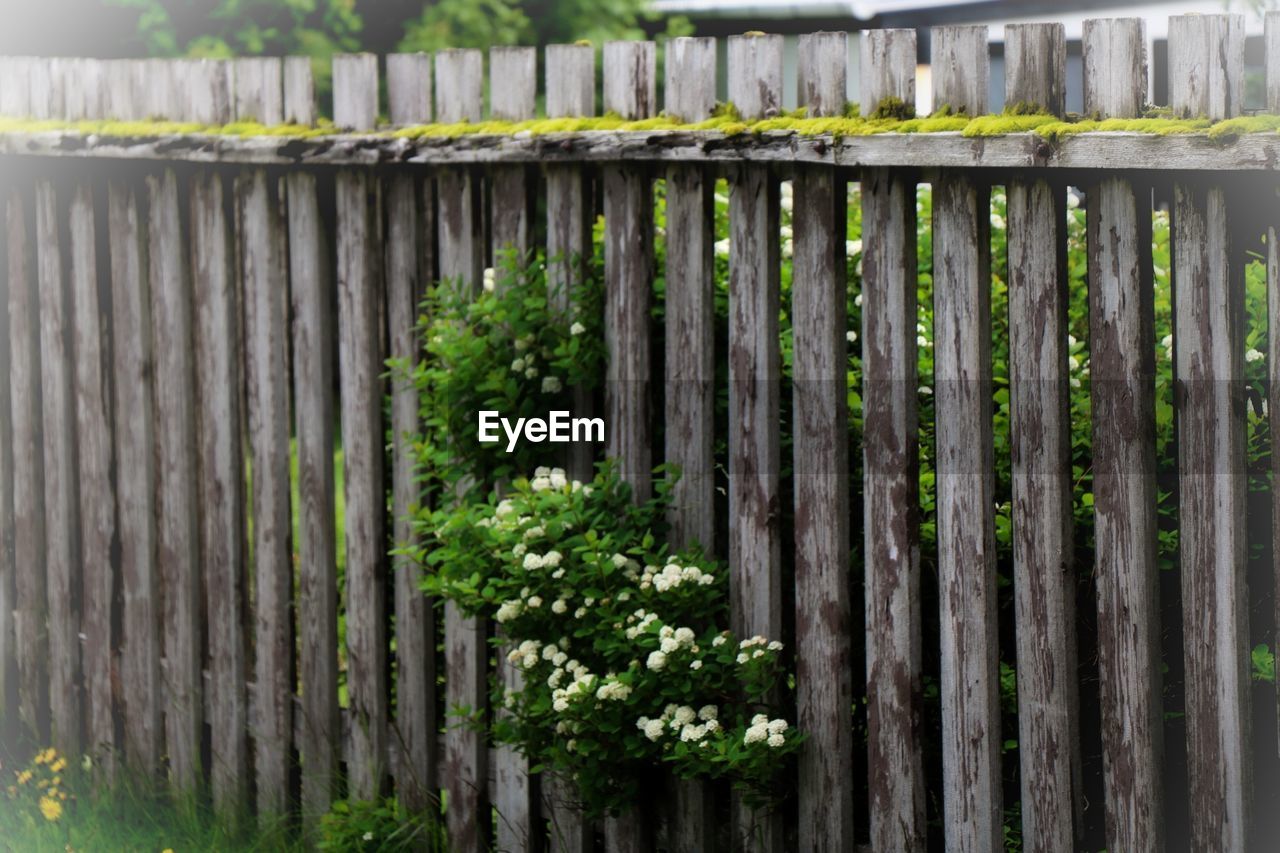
(487,281)
(681,720)
(772,732)
(550,478)
(673,575)
(755,648)
(549,560)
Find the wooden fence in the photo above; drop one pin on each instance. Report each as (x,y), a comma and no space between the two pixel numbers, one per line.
(182,309)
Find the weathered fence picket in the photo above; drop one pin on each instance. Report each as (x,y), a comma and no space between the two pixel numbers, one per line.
(891,465)
(187,309)
(1123,365)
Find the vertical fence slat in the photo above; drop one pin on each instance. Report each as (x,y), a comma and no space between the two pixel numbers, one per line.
(571,91)
(8,567)
(97,498)
(891,461)
(259,96)
(355,85)
(690,93)
(1272,39)
(513,99)
(132,348)
(630,81)
(512,193)
(823,648)
(311,289)
(629,90)
(415,733)
(459,82)
(177,529)
(28,470)
(1122,368)
(61,504)
(755,365)
(966,490)
(222,490)
(1044,575)
(1206,68)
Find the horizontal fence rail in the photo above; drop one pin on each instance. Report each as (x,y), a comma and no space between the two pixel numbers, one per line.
(199,317)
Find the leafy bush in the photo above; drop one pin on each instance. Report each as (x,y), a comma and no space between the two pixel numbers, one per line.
(625,660)
(383,826)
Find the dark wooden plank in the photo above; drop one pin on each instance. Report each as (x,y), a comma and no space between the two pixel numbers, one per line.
(824,654)
(459,81)
(571,91)
(891,462)
(177,531)
(1206,68)
(416,723)
(61,501)
(690,93)
(28,470)
(132,356)
(1122,366)
(972,809)
(360,367)
(97,497)
(8,568)
(1044,573)
(311,290)
(755,366)
(259,96)
(512,188)
(222,490)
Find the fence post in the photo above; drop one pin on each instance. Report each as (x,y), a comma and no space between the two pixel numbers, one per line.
(891,466)
(1206,77)
(571,92)
(9,725)
(360,363)
(1122,368)
(415,728)
(1273,320)
(514,99)
(1044,572)
(311,289)
(690,363)
(459,97)
(973,816)
(823,646)
(755,364)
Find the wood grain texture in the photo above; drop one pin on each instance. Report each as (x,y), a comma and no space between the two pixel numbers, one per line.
(259,89)
(690,365)
(824,657)
(132,356)
(8,568)
(97,497)
(414,735)
(570,205)
(267,383)
(177,532)
(355,91)
(1271,46)
(222,492)
(61,498)
(1122,366)
(465,771)
(1042,511)
(629,75)
(311,291)
(1212,482)
(972,808)
(891,460)
(755,364)
(513,194)
(299,91)
(1100,150)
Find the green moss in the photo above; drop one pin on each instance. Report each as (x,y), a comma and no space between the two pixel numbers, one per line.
(889,117)
(893,108)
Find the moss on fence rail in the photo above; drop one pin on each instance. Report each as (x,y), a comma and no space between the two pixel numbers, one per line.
(726,122)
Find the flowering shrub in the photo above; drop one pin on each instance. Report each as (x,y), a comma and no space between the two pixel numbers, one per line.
(38,789)
(379,825)
(626,662)
(503,349)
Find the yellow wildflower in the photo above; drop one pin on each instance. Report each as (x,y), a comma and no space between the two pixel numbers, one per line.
(58,766)
(50,808)
(46,756)
(24,777)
